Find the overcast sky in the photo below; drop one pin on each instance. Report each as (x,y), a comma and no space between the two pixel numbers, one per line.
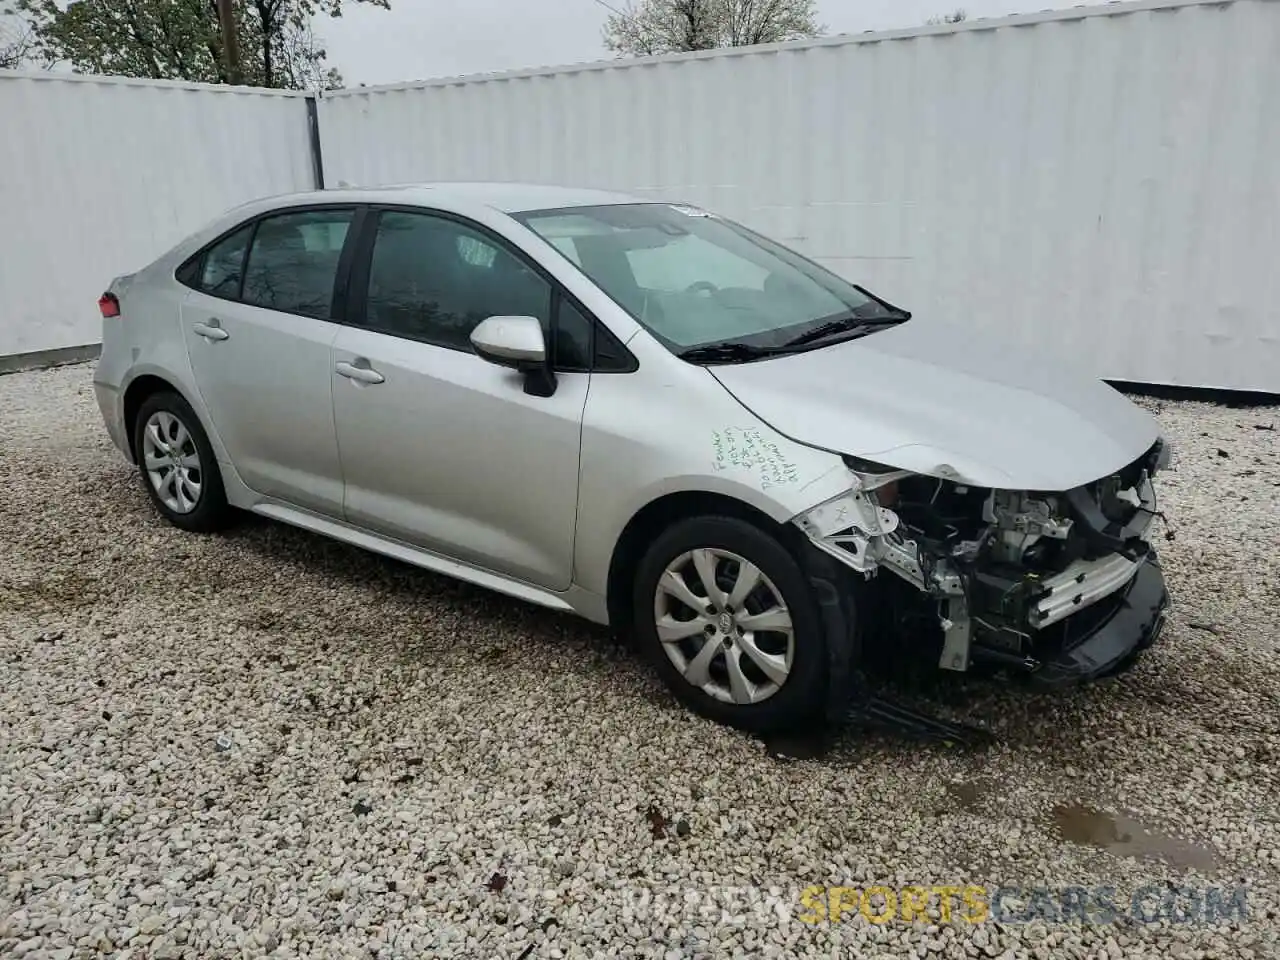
(422,39)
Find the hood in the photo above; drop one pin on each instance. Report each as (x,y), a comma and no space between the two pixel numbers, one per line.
(946,403)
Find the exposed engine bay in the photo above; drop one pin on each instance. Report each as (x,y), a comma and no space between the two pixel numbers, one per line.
(1013,578)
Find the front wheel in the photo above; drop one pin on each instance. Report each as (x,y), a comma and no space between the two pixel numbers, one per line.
(731,624)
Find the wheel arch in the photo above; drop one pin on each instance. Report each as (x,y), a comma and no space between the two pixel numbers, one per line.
(135,395)
(658,515)
(212,510)
(148,384)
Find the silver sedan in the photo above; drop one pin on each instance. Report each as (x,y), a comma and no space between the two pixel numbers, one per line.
(649,415)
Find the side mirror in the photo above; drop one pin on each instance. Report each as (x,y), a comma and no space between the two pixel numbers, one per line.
(518,343)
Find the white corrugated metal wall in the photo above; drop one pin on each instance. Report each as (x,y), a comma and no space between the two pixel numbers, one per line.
(100,176)
(1101,183)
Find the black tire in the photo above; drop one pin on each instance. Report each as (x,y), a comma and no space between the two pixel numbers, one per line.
(799,700)
(211,511)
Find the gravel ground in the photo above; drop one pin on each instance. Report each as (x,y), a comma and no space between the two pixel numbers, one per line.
(267,743)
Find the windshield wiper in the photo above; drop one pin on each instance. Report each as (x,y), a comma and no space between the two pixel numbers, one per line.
(726,352)
(850,324)
(730,351)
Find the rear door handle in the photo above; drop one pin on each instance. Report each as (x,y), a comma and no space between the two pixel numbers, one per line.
(364,374)
(211,330)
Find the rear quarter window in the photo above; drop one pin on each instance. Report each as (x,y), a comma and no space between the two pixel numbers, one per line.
(220,270)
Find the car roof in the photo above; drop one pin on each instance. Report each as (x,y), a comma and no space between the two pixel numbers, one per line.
(506,197)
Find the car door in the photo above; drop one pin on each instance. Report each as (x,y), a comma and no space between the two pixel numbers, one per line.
(259,334)
(440,448)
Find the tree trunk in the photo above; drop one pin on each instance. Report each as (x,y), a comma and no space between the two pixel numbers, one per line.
(267,14)
(230,39)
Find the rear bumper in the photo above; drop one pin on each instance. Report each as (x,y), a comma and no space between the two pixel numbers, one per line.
(111,407)
(1103,642)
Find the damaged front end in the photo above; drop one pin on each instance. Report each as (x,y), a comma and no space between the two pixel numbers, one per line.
(1061,586)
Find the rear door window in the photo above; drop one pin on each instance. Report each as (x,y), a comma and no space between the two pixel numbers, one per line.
(293,262)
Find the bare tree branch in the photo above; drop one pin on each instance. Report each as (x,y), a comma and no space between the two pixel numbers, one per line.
(17,39)
(647,27)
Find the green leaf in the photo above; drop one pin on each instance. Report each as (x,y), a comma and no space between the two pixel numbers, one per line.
(182,39)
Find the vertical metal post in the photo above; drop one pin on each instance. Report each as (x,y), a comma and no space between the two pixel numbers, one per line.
(317,153)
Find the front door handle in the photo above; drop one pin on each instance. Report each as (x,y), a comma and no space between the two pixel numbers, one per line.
(364,374)
(211,330)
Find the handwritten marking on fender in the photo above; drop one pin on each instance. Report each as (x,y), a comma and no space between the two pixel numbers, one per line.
(745,449)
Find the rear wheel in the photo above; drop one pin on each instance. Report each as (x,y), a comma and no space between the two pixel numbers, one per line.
(177,464)
(729,620)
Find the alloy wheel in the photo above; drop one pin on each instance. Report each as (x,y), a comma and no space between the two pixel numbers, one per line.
(172,462)
(724,625)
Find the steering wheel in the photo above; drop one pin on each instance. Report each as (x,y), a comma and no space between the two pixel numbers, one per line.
(702,285)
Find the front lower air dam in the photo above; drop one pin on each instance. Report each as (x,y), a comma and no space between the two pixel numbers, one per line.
(1106,639)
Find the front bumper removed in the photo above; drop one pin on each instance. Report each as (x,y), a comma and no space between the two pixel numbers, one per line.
(1107,638)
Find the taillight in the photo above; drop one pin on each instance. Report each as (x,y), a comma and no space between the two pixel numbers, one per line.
(109,305)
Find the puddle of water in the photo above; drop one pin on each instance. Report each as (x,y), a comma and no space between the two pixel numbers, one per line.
(1126,837)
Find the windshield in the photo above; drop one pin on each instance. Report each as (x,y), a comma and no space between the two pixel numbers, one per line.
(694,279)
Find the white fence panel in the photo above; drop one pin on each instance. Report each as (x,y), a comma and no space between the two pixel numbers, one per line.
(100,176)
(1099,183)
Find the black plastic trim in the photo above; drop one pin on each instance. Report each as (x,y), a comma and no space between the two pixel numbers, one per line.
(340,302)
